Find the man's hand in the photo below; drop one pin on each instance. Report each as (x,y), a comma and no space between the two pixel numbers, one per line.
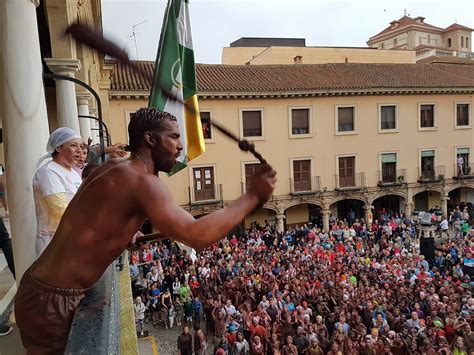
(132,242)
(117,149)
(262,183)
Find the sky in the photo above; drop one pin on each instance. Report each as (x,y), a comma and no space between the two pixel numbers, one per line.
(217,23)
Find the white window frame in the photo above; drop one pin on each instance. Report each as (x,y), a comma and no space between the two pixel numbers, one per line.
(336,120)
(383,131)
(469,126)
(435,114)
(241,123)
(128,113)
(191,174)
(212,139)
(311,168)
(388,152)
(456,154)
(355,155)
(310,122)
(242,168)
(419,158)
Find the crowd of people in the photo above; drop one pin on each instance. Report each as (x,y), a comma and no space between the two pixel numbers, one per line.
(355,289)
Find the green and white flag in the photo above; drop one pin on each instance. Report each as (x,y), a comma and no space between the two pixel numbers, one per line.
(175,74)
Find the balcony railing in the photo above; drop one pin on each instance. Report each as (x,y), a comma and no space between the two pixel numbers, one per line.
(392,178)
(205,196)
(433,174)
(303,187)
(466,171)
(354,182)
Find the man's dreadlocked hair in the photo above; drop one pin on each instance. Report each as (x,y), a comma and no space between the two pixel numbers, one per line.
(145,119)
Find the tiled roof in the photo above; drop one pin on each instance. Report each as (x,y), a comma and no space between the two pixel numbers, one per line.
(306,78)
(404,22)
(446,59)
(457,26)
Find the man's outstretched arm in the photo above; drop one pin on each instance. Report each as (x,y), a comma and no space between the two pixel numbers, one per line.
(164,213)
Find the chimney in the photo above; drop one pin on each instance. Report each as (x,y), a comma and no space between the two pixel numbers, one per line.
(298,59)
(419,19)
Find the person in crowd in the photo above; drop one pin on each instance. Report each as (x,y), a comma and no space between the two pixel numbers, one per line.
(185,342)
(139,310)
(55,183)
(343,294)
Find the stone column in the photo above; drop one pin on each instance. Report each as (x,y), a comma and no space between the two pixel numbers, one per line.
(368,214)
(25,120)
(409,203)
(326,214)
(408,209)
(83,110)
(280,222)
(94,124)
(65,91)
(444,205)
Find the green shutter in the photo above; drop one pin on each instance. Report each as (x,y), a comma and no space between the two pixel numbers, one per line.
(428,153)
(389,158)
(463,150)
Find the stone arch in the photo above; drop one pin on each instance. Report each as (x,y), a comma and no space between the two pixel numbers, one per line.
(348,197)
(388,192)
(452,187)
(417,190)
(304,202)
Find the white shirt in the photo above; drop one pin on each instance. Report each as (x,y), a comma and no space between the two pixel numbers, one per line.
(444,224)
(51,179)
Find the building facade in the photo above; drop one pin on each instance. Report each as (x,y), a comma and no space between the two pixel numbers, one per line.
(259,51)
(415,34)
(342,137)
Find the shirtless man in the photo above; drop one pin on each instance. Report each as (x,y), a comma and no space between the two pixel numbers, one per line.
(102,219)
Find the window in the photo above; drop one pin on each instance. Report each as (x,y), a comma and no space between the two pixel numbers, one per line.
(467,42)
(427,116)
(345,119)
(250,169)
(462,41)
(388,117)
(427,165)
(429,39)
(299,121)
(394,42)
(302,175)
(462,162)
(252,123)
(206,124)
(462,114)
(204,183)
(389,167)
(346,171)
(449,42)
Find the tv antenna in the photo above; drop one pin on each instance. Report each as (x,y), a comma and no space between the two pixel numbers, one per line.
(134,35)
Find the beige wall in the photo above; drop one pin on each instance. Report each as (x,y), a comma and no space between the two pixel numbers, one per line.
(316,55)
(240,55)
(323,146)
(297,214)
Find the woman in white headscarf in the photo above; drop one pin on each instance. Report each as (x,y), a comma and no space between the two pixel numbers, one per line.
(55,183)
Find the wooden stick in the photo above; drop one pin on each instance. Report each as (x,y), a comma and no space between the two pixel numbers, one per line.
(96,40)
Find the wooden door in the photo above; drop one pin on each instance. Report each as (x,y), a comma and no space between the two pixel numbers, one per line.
(204,187)
(347,171)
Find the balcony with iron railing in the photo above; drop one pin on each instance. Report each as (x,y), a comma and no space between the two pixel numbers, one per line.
(211,195)
(432,174)
(354,182)
(464,171)
(305,187)
(390,178)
